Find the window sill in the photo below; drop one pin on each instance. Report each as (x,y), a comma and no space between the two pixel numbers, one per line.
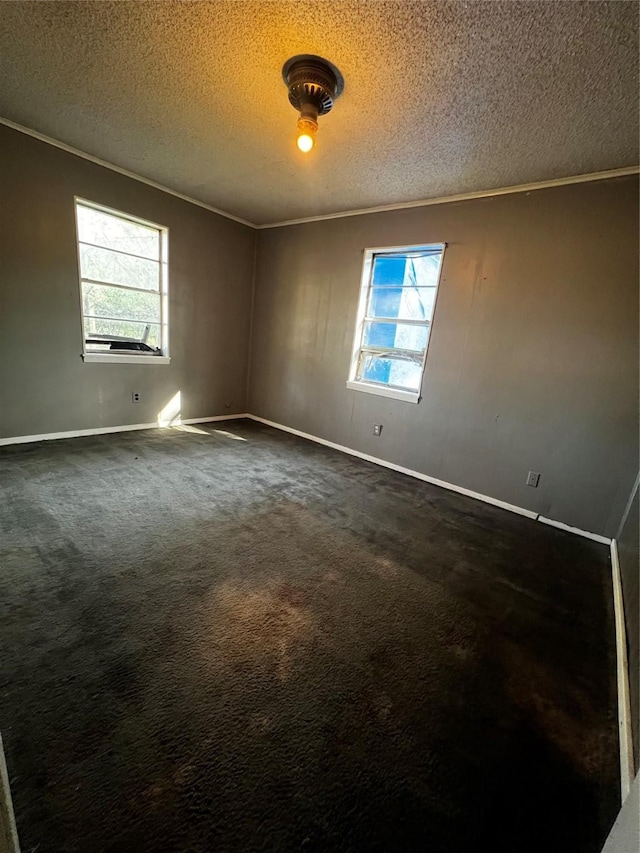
(108,358)
(381,391)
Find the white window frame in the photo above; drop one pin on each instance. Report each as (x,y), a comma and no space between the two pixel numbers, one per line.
(90,356)
(355,384)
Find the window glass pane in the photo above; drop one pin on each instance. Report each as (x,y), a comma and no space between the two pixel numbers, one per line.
(390,370)
(103,265)
(405,374)
(388,271)
(402,287)
(104,229)
(396,335)
(122,329)
(403,303)
(101,300)
(421,271)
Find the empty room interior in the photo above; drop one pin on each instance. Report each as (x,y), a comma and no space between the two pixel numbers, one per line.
(319,380)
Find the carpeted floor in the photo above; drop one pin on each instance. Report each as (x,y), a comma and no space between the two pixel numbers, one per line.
(236,640)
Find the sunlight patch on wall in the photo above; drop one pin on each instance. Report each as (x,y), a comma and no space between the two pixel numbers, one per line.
(170,415)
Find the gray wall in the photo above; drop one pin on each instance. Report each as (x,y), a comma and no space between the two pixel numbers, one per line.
(629,554)
(625,833)
(533,361)
(44,384)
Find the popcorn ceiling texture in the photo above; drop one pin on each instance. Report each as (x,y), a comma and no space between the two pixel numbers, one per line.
(440,97)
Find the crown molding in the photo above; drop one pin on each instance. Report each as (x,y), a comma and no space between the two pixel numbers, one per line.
(447,199)
(518,188)
(106,165)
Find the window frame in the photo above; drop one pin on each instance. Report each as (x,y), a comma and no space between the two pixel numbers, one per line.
(93,356)
(381,390)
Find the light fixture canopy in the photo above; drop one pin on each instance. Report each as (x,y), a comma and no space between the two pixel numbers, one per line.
(313,84)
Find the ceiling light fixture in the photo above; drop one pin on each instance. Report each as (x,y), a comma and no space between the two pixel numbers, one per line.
(314,84)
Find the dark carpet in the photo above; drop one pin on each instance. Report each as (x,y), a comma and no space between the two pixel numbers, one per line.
(216,644)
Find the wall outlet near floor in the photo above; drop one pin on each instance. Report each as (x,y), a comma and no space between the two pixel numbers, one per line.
(533,478)
(135,396)
(377,429)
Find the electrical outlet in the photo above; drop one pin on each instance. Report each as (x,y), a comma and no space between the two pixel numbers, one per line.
(377,429)
(135,396)
(533,478)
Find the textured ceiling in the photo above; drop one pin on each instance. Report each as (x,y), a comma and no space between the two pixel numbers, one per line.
(440,97)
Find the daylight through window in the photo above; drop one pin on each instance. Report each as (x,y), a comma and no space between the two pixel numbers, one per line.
(397,302)
(123,281)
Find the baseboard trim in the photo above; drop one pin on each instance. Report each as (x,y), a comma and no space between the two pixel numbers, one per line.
(78,433)
(596,537)
(418,475)
(622,668)
(8,830)
(625,731)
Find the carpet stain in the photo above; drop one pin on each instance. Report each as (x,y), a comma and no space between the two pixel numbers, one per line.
(260,724)
(383,707)
(259,627)
(385,568)
(572,728)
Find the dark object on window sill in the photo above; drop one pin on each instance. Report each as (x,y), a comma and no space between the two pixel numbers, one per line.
(127,346)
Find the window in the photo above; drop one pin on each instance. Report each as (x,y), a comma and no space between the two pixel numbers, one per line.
(397,302)
(123,284)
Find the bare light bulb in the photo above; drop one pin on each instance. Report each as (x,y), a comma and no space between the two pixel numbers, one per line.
(305,142)
(307,129)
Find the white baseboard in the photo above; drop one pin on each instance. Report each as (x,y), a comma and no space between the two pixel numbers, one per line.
(411,473)
(418,475)
(8,831)
(77,433)
(604,540)
(625,731)
(624,707)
